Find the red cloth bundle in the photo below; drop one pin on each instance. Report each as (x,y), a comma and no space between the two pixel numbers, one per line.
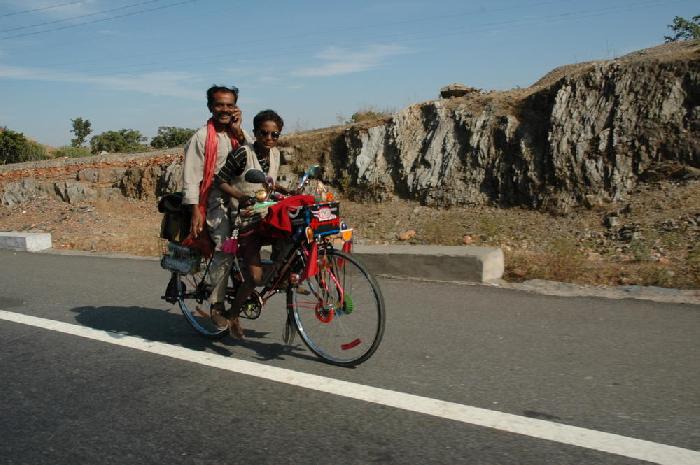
(277,223)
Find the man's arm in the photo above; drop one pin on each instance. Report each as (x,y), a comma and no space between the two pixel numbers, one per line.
(234,167)
(230,190)
(193,169)
(193,172)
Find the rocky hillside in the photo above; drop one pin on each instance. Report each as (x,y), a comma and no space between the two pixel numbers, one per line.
(583,134)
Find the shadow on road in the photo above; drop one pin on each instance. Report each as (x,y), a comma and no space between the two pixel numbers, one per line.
(160,325)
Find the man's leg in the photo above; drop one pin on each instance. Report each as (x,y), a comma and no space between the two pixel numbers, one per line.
(218,276)
(252,275)
(219,228)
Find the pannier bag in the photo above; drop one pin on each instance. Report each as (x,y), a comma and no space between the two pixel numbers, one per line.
(181,259)
(175,225)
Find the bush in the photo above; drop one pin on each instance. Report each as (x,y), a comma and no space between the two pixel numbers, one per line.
(72,152)
(15,148)
(122,141)
(369,114)
(169,136)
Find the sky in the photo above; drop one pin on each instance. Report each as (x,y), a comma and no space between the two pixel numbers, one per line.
(141,64)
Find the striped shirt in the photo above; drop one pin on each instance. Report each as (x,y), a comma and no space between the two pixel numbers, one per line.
(235,166)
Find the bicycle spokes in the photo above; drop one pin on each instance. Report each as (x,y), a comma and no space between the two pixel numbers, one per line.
(339,312)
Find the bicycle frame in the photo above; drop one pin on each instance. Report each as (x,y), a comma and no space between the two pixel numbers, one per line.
(343,326)
(298,252)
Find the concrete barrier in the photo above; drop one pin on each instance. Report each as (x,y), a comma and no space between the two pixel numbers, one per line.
(25,241)
(432,262)
(444,263)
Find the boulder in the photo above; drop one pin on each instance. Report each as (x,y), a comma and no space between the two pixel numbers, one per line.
(74,191)
(457,90)
(406,235)
(171,179)
(26,190)
(141,182)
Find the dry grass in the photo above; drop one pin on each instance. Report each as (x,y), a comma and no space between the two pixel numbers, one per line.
(574,248)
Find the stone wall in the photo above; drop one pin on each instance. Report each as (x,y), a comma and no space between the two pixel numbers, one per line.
(104,177)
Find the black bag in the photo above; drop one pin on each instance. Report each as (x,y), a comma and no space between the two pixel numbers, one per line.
(175,225)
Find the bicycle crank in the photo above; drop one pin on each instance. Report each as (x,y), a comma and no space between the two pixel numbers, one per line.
(252,307)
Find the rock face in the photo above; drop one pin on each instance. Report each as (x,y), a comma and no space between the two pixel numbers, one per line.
(586,134)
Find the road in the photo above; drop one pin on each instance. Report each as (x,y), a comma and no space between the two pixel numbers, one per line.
(624,367)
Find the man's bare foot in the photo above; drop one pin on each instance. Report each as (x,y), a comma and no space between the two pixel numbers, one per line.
(235,328)
(217,316)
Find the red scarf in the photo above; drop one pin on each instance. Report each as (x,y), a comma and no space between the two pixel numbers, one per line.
(203,242)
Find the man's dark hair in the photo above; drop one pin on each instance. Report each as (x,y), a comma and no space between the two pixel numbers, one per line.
(267,115)
(214,89)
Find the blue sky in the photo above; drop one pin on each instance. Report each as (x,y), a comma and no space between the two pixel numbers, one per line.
(141,64)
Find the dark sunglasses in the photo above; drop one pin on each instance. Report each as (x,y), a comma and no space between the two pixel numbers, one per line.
(263,133)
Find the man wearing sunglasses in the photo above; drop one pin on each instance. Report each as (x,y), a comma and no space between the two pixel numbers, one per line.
(264,156)
(205,155)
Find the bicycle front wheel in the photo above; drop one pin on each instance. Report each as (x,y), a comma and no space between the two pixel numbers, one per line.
(192,294)
(339,312)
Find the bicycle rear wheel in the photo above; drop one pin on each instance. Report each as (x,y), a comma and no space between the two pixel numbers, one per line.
(339,313)
(192,294)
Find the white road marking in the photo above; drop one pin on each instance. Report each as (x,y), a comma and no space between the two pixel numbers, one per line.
(605,442)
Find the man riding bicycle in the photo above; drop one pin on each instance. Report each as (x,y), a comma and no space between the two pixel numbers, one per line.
(333,302)
(262,155)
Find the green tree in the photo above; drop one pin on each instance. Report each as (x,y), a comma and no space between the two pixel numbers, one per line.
(122,141)
(169,136)
(15,148)
(684,29)
(81,129)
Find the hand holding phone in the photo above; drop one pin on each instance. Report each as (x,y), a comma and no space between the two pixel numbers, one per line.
(237,115)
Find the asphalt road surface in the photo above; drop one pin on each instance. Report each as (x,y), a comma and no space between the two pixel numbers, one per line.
(96,369)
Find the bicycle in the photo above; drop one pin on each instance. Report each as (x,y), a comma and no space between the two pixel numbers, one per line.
(333,302)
